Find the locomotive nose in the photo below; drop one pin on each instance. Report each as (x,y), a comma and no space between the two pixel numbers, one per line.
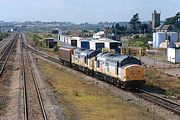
(134,72)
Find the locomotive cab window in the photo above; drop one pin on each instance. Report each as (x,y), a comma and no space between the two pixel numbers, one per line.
(130,60)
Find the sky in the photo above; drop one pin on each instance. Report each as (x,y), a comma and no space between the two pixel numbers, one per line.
(78,11)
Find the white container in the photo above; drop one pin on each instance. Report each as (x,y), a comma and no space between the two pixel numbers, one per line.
(61,38)
(96,44)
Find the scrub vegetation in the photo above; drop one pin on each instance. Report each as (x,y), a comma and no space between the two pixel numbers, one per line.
(169,83)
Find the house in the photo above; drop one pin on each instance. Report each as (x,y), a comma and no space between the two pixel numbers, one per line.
(165,28)
(98,35)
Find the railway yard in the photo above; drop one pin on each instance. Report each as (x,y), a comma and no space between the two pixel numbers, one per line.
(36,85)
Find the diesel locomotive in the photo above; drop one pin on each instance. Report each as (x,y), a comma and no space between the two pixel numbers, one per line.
(124,71)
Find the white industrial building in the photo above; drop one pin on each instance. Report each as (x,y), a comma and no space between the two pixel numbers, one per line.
(173,53)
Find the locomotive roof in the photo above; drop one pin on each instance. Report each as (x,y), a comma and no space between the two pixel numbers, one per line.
(122,59)
(86,52)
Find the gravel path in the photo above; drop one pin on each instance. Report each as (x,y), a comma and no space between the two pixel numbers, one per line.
(129,97)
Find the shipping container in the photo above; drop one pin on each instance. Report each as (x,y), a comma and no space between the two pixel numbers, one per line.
(52,44)
(112,44)
(47,40)
(85,44)
(74,43)
(65,53)
(96,45)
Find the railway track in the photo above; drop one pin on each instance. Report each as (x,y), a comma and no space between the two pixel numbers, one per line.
(6,53)
(33,104)
(168,104)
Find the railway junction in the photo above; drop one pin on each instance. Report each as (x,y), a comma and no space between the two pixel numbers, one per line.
(31,97)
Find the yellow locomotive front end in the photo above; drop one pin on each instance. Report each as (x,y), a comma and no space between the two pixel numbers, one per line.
(134,75)
(133,72)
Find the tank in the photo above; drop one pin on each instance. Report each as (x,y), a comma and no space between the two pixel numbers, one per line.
(158,37)
(154,40)
(171,45)
(173,36)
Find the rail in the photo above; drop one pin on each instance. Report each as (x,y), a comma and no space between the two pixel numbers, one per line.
(166,103)
(6,53)
(170,105)
(26,117)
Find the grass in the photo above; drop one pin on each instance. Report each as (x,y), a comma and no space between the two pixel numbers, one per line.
(85,101)
(157,57)
(170,83)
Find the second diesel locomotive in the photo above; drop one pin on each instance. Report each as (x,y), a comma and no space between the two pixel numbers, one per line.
(121,70)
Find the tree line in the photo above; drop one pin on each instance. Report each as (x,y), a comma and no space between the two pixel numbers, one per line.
(134,26)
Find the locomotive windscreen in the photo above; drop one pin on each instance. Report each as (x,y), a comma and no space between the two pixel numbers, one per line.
(130,60)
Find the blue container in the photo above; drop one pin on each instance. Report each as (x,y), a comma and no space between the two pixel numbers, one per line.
(85,44)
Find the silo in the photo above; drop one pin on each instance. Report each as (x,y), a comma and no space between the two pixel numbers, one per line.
(160,37)
(154,40)
(173,36)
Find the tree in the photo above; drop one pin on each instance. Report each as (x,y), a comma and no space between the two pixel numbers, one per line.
(144,27)
(117,29)
(135,23)
(113,29)
(55,31)
(175,20)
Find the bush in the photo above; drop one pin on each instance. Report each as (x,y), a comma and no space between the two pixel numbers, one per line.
(138,44)
(56,49)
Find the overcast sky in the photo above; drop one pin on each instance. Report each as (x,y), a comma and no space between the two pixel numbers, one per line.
(92,11)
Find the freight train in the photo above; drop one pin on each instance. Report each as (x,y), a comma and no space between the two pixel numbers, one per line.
(124,71)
